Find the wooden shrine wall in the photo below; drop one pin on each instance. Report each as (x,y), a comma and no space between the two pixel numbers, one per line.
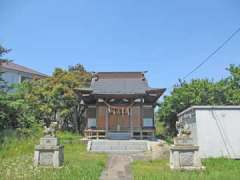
(101,116)
(137,115)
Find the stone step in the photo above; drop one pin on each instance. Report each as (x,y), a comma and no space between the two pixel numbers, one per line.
(121,145)
(120,152)
(118,146)
(117,142)
(118,135)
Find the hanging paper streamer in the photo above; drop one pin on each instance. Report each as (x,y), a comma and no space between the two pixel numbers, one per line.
(119,110)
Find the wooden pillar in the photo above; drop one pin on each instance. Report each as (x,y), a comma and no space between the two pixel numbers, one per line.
(97,134)
(141,119)
(153,118)
(106,120)
(97,115)
(131,122)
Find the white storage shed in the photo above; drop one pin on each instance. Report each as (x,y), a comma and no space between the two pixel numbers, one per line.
(215,129)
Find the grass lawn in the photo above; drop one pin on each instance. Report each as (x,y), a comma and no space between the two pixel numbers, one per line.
(16,161)
(216,169)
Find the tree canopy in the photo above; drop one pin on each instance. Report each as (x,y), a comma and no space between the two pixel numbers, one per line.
(53,98)
(3,51)
(44,100)
(199,92)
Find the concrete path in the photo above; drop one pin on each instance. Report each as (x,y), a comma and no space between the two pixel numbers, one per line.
(118,168)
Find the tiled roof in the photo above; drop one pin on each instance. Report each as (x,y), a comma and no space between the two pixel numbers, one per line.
(119,83)
(16,67)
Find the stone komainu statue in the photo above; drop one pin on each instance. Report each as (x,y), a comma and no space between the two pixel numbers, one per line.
(50,131)
(183,129)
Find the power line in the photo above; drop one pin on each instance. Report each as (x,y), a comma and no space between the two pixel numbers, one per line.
(213,53)
(221,133)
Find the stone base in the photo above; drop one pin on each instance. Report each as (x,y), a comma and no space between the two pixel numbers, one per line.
(183,140)
(49,153)
(185,157)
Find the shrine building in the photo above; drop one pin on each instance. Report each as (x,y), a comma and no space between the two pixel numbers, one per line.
(120,105)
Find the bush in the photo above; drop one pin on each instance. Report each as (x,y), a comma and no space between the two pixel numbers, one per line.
(66,137)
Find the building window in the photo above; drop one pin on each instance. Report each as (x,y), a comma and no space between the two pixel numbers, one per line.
(147,122)
(91,114)
(92,123)
(24,78)
(148,116)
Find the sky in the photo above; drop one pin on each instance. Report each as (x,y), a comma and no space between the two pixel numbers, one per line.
(167,38)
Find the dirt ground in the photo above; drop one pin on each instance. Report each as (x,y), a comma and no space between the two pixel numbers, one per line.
(118,167)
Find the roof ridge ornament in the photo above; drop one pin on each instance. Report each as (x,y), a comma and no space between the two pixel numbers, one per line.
(95,76)
(143,75)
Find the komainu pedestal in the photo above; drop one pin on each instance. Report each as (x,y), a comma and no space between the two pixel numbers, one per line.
(184,154)
(49,153)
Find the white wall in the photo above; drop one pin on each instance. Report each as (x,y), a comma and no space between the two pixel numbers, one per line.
(218,132)
(13,77)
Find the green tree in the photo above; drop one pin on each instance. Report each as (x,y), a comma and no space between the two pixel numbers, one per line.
(14,111)
(199,92)
(44,100)
(54,99)
(3,51)
(231,85)
(5,110)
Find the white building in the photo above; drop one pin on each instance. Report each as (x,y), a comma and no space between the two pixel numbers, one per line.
(215,129)
(13,73)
